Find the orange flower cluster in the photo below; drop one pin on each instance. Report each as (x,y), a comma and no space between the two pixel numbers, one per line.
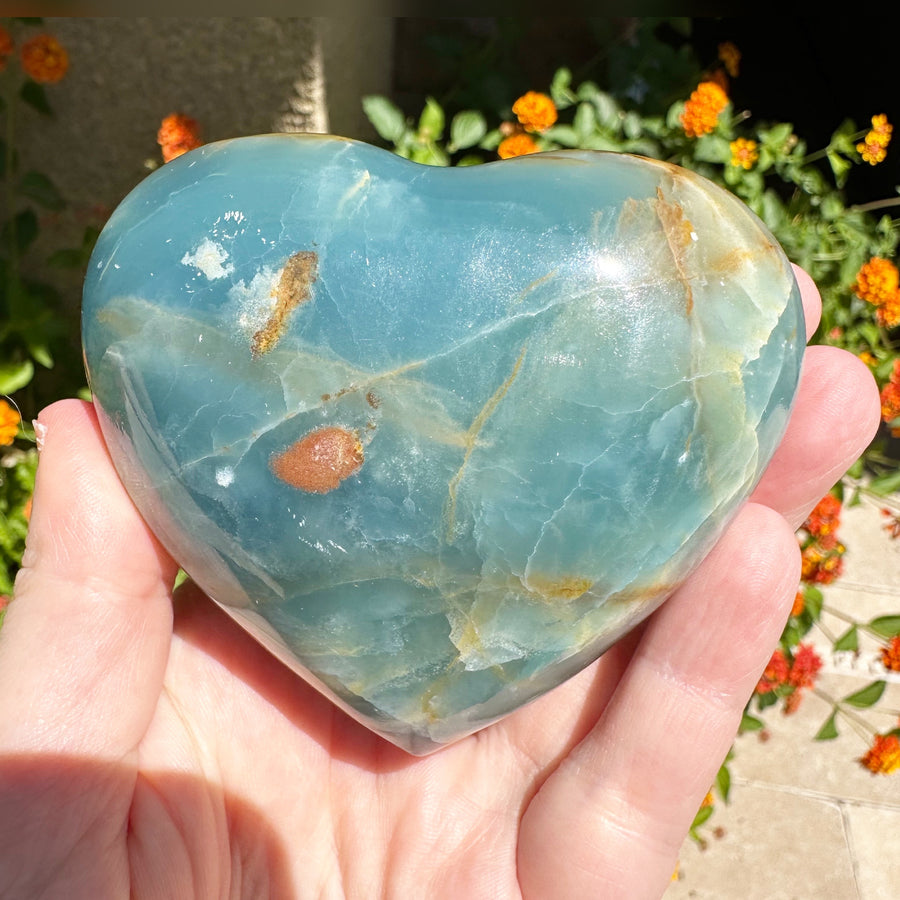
(874,149)
(821,552)
(791,675)
(535,111)
(825,518)
(730,57)
(877,283)
(178,134)
(7,47)
(9,423)
(701,111)
(775,674)
(822,565)
(744,153)
(44,59)
(890,398)
(890,655)
(883,757)
(518,144)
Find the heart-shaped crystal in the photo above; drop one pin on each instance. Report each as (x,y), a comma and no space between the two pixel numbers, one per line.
(437,437)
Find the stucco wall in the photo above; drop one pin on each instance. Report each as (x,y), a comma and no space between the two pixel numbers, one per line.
(235,76)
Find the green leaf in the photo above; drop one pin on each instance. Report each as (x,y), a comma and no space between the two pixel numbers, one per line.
(42,190)
(813,600)
(840,167)
(867,696)
(607,111)
(41,354)
(828,732)
(849,640)
(723,782)
(15,375)
(702,816)
(36,97)
(885,484)
(431,122)
(467,128)
(562,134)
(386,118)
(561,90)
(751,723)
(470,159)
(886,626)
(584,122)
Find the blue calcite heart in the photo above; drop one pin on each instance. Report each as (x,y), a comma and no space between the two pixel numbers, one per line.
(437,437)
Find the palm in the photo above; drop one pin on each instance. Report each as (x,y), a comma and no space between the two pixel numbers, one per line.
(180,760)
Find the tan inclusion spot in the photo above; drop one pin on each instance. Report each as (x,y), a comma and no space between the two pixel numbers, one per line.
(562,587)
(297,276)
(320,460)
(677,229)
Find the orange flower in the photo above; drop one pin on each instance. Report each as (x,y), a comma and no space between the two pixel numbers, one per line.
(825,518)
(517,145)
(776,673)
(821,565)
(177,134)
(730,57)
(701,111)
(888,314)
(883,757)
(874,149)
(744,153)
(805,667)
(9,423)
(876,281)
(799,604)
(893,525)
(890,655)
(868,359)
(6,47)
(890,398)
(44,59)
(535,111)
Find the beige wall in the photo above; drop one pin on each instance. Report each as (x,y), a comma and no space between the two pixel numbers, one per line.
(236,76)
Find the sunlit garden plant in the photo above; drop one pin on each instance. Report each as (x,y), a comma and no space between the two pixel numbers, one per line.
(850,251)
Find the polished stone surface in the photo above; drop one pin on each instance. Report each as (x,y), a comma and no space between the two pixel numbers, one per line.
(438,437)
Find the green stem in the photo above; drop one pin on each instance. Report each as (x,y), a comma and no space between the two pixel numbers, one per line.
(875,204)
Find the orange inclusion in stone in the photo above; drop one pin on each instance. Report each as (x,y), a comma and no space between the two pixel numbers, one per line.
(320,460)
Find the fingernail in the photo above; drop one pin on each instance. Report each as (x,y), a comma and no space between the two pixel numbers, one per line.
(40,432)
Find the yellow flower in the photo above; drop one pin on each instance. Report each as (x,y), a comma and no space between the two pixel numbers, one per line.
(730,57)
(535,111)
(744,153)
(9,423)
(874,149)
(518,144)
(44,59)
(868,359)
(701,111)
(877,281)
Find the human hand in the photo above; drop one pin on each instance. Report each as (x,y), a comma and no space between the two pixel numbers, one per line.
(147,754)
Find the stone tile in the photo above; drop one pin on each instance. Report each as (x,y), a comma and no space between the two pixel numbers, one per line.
(873,557)
(776,846)
(792,760)
(874,839)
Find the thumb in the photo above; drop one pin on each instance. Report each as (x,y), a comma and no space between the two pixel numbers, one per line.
(85,640)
